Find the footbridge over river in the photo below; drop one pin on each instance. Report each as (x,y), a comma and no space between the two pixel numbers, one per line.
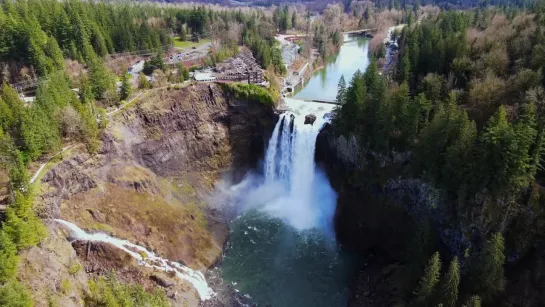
(328,101)
(320,100)
(361,31)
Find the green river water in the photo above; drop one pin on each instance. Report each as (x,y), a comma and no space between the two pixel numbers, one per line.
(323,84)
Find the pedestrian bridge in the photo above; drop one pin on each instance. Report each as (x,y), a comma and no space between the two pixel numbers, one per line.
(328,101)
(361,31)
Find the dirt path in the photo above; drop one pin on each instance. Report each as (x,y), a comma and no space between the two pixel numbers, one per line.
(43,165)
(126,103)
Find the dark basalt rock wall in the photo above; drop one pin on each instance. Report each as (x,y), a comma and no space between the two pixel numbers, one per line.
(202,121)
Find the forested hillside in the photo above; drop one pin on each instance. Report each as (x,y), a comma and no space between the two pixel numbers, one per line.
(42,42)
(41,33)
(467,104)
(37,38)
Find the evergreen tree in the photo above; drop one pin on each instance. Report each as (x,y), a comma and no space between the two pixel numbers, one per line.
(285,19)
(156,62)
(88,129)
(526,131)
(405,68)
(294,19)
(143,82)
(277,16)
(14,294)
(377,111)
(505,155)
(126,86)
(488,270)
(183,72)
(474,301)
(432,87)
(429,280)
(443,132)
(85,91)
(100,78)
(8,257)
(449,284)
(417,250)
(19,177)
(6,116)
(341,91)
(457,155)
(53,51)
(183,34)
(11,99)
(347,118)
(366,14)
(22,225)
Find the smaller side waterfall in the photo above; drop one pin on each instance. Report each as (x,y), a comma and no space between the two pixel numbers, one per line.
(151,260)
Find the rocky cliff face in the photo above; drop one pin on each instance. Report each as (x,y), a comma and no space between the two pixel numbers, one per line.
(378,212)
(389,216)
(158,162)
(384,180)
(363,212)
(198,129)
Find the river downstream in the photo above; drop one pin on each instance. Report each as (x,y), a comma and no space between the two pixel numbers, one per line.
(282,249)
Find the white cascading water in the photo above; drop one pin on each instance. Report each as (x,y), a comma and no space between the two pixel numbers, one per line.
(307,200)
(150,260)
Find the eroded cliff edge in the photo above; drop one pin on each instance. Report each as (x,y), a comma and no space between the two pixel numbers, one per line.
(149,184)
(393,220)
(379,210)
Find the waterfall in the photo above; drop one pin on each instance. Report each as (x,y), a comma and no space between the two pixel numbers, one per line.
(145,257)
(308,200)
(270,155)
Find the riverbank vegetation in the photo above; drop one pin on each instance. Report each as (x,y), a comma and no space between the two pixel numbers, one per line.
(467,105)
(108,291)
(250,92)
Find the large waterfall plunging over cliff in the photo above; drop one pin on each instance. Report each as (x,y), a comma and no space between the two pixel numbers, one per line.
(282,251)
(308,200)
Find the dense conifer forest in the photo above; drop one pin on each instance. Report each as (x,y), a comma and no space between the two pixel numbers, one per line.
(466,102)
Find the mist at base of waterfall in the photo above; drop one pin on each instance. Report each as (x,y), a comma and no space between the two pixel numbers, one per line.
(282,249)
(274,200)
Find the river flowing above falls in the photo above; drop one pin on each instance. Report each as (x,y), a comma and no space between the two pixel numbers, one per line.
(282,250)
(352,56)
